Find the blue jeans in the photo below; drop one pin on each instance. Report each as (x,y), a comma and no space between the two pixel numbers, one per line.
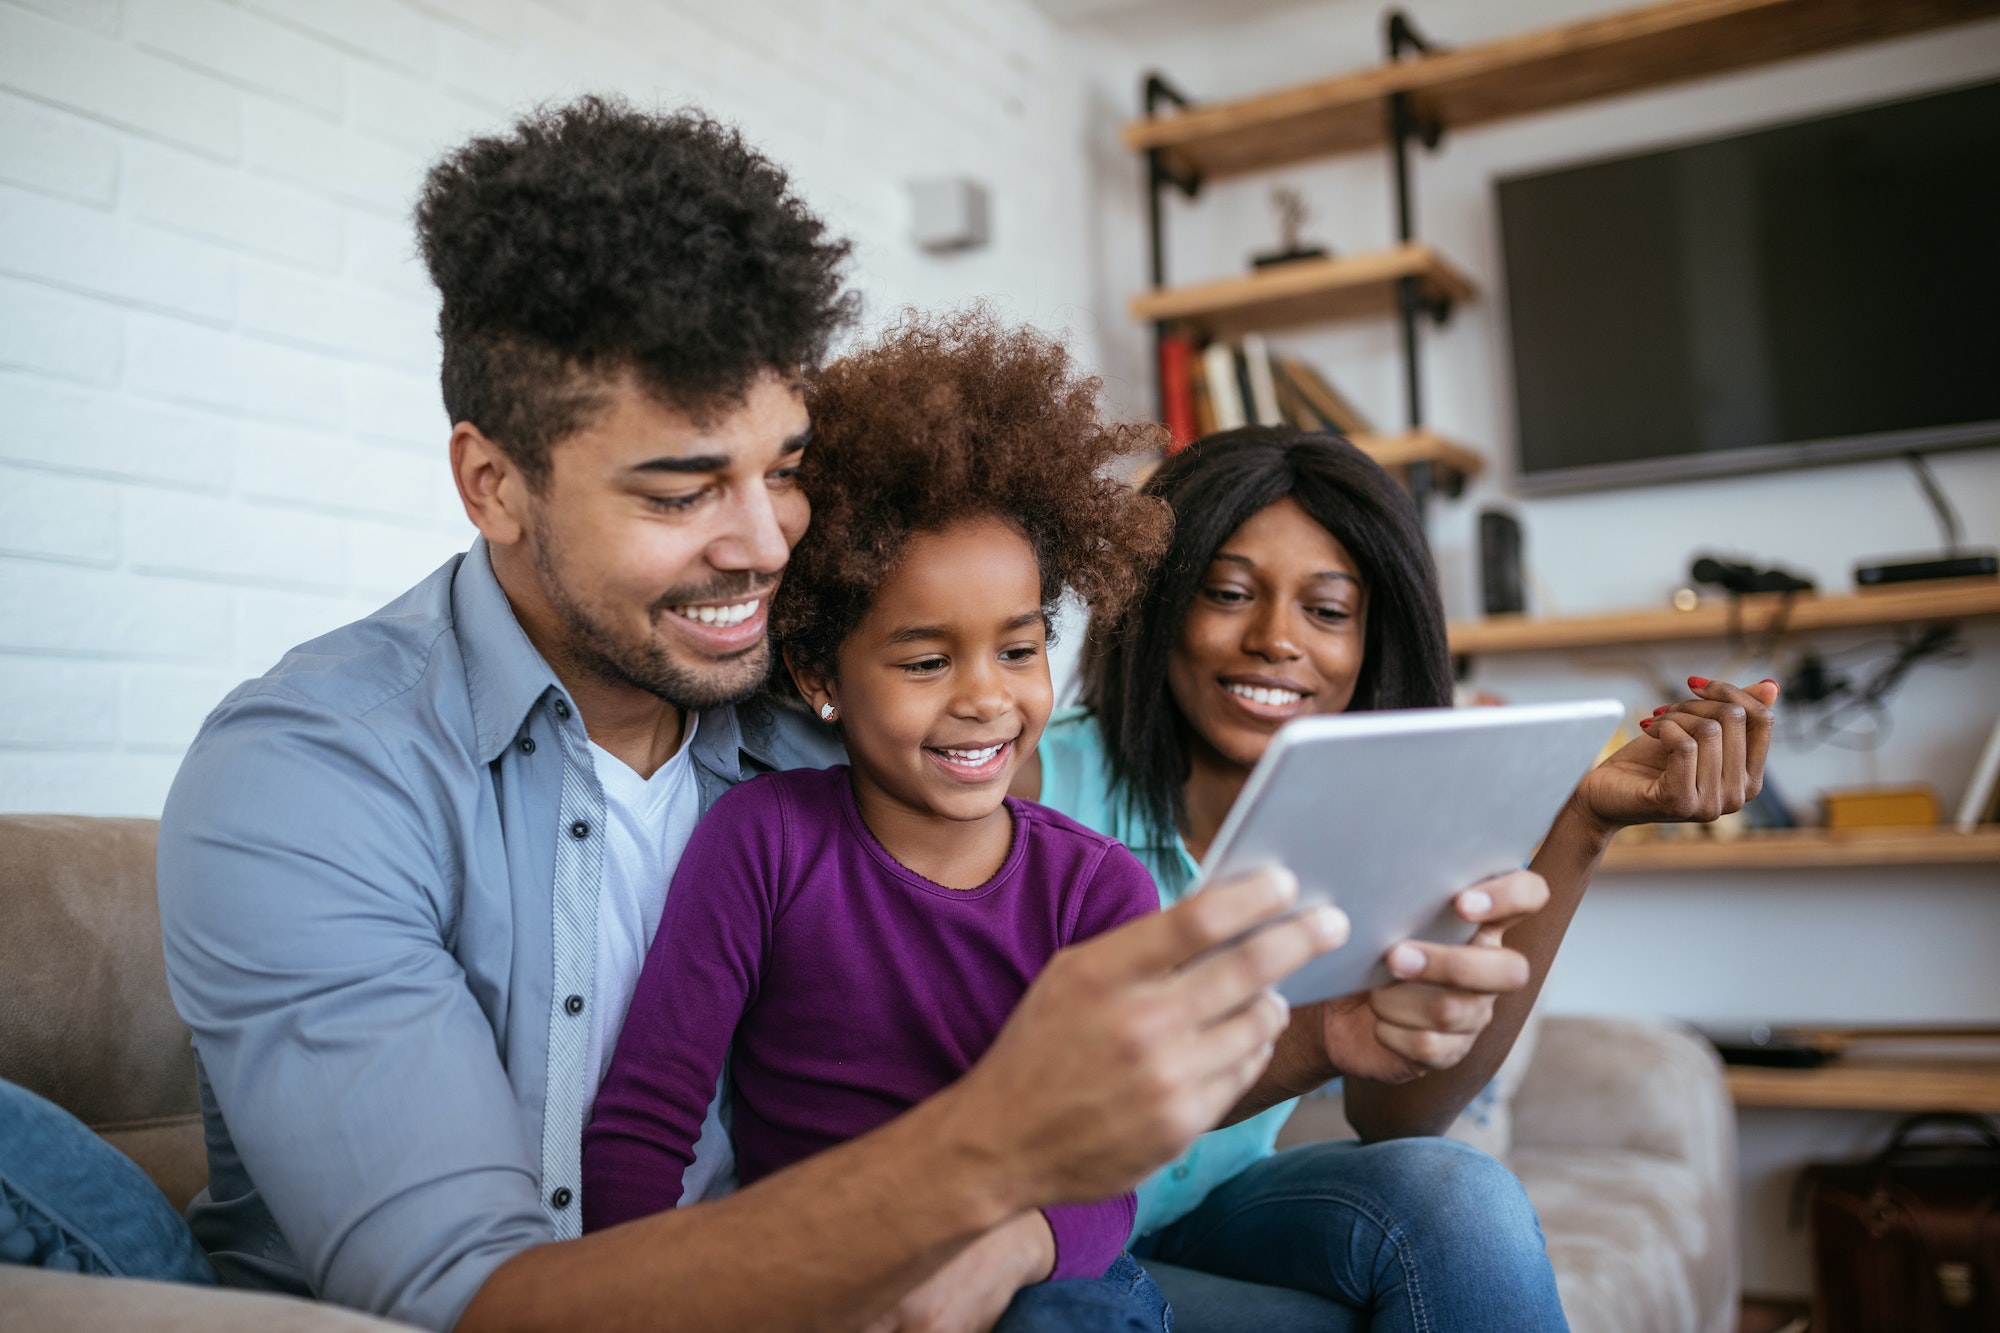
(1124,1300)
(1408,1236)
(70,1201)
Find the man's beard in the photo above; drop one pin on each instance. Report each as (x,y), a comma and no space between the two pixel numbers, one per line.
(597,649)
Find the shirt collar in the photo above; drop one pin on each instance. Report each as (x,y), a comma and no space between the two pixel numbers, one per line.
(507,677)
(503,670)
(718,743)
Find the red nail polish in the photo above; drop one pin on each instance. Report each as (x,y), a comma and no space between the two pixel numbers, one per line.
(1645,721)
(1768,680)
(1661,709)
(1697,682)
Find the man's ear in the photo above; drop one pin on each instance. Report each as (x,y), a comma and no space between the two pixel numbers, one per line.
(815,687)
(491,485)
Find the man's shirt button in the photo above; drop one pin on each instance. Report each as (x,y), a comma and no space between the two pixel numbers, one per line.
(527,745)
(562,708)
(574,1004)
(562,1196)
(579,829)
(1180,1173)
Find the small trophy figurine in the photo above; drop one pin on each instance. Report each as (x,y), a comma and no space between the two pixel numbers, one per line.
(1292,213)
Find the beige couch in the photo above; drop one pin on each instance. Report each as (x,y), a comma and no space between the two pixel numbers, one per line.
(85,1021)
(1622,1131)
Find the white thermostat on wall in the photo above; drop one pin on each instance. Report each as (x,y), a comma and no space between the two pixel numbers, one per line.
(949,214)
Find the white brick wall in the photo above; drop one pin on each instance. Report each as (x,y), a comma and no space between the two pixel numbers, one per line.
(219,420)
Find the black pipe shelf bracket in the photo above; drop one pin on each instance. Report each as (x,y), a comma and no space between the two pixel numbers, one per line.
(1160,174)
(1401,36)
(1414,303)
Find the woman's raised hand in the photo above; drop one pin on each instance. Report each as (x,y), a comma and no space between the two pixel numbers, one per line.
(1700,758)
(1443,997)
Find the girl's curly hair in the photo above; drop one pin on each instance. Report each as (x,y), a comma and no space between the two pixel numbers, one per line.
(955,416)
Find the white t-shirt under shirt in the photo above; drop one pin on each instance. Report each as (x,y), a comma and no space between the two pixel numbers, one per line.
(647,824)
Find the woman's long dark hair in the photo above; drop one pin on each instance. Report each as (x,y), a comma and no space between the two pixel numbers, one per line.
(1213,487)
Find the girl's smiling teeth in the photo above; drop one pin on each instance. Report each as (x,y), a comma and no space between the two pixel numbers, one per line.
(974,761)
(720,616)
(1258,694)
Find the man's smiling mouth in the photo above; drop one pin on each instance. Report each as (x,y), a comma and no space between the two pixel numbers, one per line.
(720,616)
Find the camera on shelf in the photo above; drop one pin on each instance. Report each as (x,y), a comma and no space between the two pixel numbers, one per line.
(1739,579)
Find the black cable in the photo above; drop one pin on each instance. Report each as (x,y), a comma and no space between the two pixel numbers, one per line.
(1946,515)
(1847,706)
(1781,618)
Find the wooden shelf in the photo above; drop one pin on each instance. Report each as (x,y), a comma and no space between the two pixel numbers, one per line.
(1538,71)
(1778,849)
(1311,291)
(1395,452)
(1873,1083)
(1947,599)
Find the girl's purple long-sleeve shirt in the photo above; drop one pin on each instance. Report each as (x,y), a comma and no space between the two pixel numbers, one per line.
(843,988)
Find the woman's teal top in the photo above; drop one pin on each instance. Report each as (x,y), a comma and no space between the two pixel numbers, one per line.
(1076,780)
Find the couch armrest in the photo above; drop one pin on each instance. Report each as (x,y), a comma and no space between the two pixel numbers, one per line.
(73,1303)
(1617,1083)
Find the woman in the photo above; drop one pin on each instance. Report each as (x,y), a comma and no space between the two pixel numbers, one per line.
(1299,582)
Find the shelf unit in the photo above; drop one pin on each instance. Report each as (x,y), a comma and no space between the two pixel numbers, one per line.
(1873,1083)
(1802,849)
(1614,54)
(1410,280)
(1420,93)
(1756,614)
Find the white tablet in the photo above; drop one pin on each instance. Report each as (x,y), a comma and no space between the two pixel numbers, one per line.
(1390,815)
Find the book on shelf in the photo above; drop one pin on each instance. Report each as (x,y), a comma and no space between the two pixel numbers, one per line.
(1222,386)
(1177,389)
(1243,388)
(1982,797)
(1327,403)
(1296,409)
(1204,407)
(1257,370)
(1225,394)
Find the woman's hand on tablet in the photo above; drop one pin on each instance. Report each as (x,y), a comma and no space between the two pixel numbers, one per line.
(1699,759)
(1429,1018)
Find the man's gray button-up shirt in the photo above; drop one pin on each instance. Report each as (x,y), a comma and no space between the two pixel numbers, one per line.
(379,869)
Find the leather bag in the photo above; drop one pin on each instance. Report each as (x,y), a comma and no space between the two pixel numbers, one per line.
(1909,1242)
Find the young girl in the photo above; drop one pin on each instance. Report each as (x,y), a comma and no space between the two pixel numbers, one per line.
(852,939)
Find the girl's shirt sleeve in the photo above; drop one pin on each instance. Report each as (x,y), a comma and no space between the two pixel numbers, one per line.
(700,976)
(1089,1236)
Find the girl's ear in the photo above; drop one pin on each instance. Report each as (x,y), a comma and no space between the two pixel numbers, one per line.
(815,687)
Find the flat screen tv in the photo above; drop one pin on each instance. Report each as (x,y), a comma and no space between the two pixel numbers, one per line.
(1812,293)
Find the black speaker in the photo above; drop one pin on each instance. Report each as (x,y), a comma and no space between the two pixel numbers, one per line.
(1500,563)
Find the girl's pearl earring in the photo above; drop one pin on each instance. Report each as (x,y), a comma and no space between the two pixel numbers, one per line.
(826,712)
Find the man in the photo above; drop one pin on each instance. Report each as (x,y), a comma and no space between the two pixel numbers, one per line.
(407,877)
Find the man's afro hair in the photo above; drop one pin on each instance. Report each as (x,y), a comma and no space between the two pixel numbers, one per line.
(950,417)
(595,241)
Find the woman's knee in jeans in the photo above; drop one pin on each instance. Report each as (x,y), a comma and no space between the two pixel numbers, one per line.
(1449,1188)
